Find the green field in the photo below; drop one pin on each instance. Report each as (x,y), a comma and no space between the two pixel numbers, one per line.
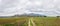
(34,21)
(14,21)
(47,21)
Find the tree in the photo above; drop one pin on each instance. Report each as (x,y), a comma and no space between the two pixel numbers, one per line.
(45,16)
(58,16)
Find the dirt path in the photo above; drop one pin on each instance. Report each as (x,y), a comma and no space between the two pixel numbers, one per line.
(31,21)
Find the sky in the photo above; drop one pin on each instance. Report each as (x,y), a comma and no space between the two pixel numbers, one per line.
(13,7)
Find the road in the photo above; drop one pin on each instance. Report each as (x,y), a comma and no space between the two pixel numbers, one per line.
(31,22)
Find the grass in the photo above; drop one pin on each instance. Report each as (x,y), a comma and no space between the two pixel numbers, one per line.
(18,21)
(47,21)
(23,21)
(31,23)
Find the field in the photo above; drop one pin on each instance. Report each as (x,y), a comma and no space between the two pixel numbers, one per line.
(47,21)
(16,21)
(30,21)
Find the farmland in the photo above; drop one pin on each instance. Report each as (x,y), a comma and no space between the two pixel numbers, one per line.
(49,21)
(18,21)
(30,21)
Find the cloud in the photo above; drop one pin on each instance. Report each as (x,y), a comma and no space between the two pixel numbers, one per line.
(46,7)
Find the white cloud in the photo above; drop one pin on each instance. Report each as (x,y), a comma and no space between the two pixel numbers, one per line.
(46,7)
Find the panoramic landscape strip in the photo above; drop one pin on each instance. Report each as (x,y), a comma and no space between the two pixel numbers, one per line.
(30,21)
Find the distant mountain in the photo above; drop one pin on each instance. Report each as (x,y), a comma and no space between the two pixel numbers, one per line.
(31,14)
(25,14)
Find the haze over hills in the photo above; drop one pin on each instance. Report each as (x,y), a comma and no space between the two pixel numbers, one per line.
(31,14)
(17,15)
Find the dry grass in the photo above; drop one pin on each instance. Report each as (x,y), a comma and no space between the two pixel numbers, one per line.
(47,21)
(23,21)
(19,21)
